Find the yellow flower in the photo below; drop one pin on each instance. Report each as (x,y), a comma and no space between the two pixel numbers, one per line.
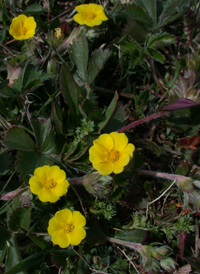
(110,153)
(58,33)
(66,228)
(22,27)
(49,183)
(90,15)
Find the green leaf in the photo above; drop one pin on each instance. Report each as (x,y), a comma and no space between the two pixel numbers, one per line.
(26,263)
(2,35)
(138,14)
(5,161)
(135,30)
(20,217)
(13,257)
(172,10)
(4,236)
(109,112)
(28,161)
(156,55)
(134,49)
(45,137)
(78,51)
(136,235)
(149,6)
(17,138)
(57,117)
(3,253)
(97,61)
(69,91)
(153,147)
(33,9)
(118,120)
(159,40)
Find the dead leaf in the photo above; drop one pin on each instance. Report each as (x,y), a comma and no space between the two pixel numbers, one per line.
(189,142)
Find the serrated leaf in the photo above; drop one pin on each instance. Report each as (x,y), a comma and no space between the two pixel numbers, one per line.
(159,40)
(33,9)
(149,7)
(109,112)
(97,61)
(156,55)
(20,217)
(69,91)
(135,30)
(45,137)
(28,161)
(172,10)
(17,138)
(138,14)
(78,51)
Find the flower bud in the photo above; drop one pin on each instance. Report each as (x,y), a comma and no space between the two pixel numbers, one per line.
(168,264)
(186,185)
(52,66)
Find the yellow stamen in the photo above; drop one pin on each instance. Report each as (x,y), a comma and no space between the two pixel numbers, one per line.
(113,155)
(49,184)
(67,227)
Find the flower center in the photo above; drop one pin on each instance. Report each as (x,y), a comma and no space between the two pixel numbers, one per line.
(113,155)
(21,31)
(49,184)
(67,227)
(90,15)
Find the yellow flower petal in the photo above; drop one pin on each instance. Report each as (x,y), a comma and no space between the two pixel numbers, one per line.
(46,195)
(63,216)
(66,228)
(61,238)
(104,168)
(120,141)
(23,18)
(41,173)
(78,220)
(90,14)
(56,174)
(53,226)
(35,185)
(97,154)
(31,24)
(121,163)
(77,235)
(22,27)
(61,188)
(105,141)
(129,150)
(110,153)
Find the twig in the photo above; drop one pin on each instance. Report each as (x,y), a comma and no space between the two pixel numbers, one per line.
(159,197)
(123,252)
(79,200)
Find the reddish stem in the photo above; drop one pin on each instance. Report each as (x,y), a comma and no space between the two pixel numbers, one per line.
(143,120)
